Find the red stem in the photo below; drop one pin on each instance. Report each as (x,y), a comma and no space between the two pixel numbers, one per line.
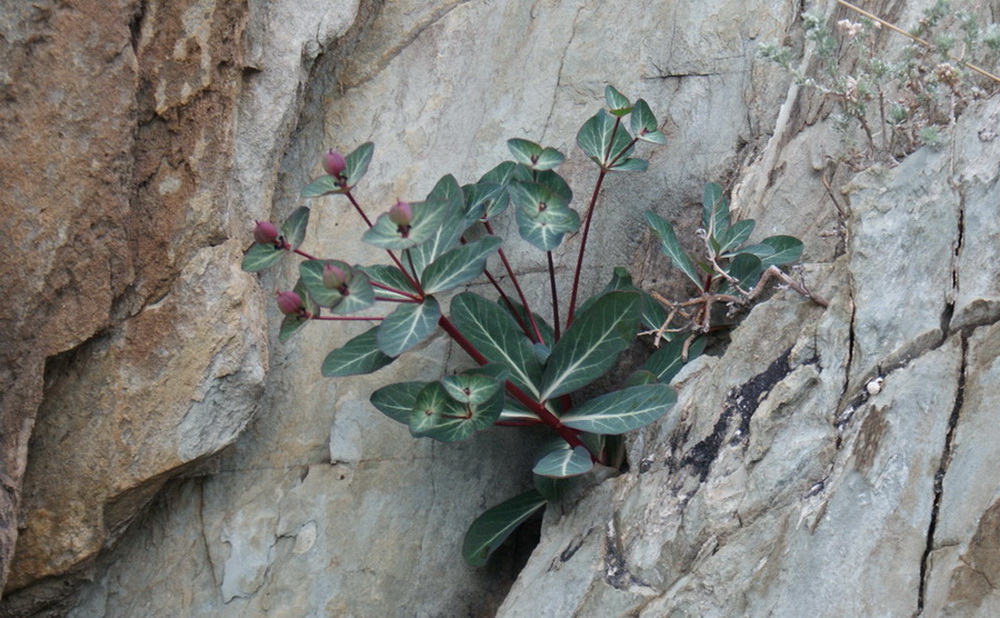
(555,295)
(388,288)
(368,221)
(300,252)
(570,435)
(510,305)
(517,287)
(583,247)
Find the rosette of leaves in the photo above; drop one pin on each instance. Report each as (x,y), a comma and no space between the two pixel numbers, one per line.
(529,371)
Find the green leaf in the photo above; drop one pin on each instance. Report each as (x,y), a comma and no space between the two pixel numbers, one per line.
(360,294)
(427,219)
(491,528)
(618,104)
(672,248)
(493,332)
(654,137)
(534,198)
(652,314)
(745,268)
(459,265)
(409,325)
(358,356)
(392,277)
(436,415)
(533,156)
(259,257)
(715,212)
(324,185)
(630,165)
(553,489)
(555,183)
(643,122)
(787,249)
(738,234)
(449,198)
(471,388)
(564,462)
(590,347)
(622,411)
(641,377)
(547,229)
(603,139)
(505,172)
(357,163)
(484,197)
(397,400)
(294,227)
(547,332)
(293,323)
(668,360)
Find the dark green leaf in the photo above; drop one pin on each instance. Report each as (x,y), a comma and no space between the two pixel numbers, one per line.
(738,234)
(652,314)
(397,400)
(409,325)
(323,185)
(547,229)
(621,411)
(745,268)
(618,103)
(787,249)
(548,334)
(459,265)
(294,227)
(357,164)
(358,356)
(603,139)
(672,248)
(668,360)
(564,462)
(497,337)
(482,198)
(590,347)
(715,212)
(505,172)
(553,489)
(293,323)
(491,528)
(641,377)
(643,122)
(259,257)
(551,180)
(437,415)
(360,294)
(533,156)
(392,277)
(448,198)
(630,165)
(471,388)
(428,217)
(534,198)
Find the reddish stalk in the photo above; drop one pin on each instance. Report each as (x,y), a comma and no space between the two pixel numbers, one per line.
(583,247)
(510,305)
(368,222)
(555,296)
(517,287)
(570,435)
(395,291)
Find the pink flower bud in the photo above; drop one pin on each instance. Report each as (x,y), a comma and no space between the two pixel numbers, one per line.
(401,214)
(334,163)
(289,303)
(334,277)
(265,233)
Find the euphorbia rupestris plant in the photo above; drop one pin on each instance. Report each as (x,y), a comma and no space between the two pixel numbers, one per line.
(527,370)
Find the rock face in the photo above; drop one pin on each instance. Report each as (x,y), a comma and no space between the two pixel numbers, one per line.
(832,461)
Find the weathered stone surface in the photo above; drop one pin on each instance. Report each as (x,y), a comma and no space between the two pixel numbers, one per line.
(783,485)
(836,494)
(130,304)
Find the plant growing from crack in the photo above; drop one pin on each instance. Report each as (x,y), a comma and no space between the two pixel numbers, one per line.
(732,272)
(901,103)
(529,370)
